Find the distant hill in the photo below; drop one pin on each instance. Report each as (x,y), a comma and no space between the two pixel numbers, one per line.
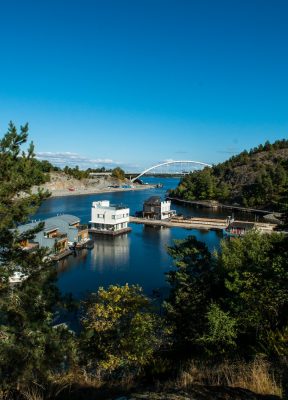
(258,178)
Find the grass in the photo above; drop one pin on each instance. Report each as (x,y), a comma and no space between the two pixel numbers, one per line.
(256,376)
(32,393)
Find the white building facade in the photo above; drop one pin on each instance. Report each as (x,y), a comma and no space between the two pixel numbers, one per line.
(106,218)
(165,209)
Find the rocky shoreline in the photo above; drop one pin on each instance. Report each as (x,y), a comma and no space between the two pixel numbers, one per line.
(61,185)
(81,192)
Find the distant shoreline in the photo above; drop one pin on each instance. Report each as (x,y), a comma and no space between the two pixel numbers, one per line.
(83,192)
(216,205)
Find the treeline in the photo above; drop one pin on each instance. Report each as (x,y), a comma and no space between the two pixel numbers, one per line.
(277,145)
(75,172)
(227,305)
(258,178)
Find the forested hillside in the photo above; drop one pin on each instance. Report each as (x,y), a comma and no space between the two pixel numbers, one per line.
(258,178)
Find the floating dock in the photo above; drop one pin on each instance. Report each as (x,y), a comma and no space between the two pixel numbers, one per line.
(59,256)
(196,223)
(193,223)
(109,232)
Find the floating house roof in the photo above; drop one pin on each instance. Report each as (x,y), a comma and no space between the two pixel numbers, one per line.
(27,227)
(50,224)
(242,225)
(153,200)
(70,219)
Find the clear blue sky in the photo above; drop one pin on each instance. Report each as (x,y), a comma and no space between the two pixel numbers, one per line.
(141,81)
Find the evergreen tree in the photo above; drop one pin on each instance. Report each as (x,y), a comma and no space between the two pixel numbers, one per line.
(255,269)
(255,179)
(191,291)
(233,303)
(30,347)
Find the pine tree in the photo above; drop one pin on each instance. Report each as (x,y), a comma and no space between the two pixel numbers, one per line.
(29,346)
(191,284)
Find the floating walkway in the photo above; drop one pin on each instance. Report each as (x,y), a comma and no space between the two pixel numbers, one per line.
(192,223)
(196,223)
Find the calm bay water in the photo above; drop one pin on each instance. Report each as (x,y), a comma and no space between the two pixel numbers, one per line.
(139,257)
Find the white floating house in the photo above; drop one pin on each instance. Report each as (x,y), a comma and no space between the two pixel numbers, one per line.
(109,219)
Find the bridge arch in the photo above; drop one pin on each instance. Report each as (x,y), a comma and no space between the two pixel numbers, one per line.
(171,162)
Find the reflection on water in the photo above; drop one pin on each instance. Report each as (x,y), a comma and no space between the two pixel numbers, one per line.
(158,234)
(111,253)
(108,254)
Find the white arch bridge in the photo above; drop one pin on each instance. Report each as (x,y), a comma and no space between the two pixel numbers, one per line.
(173,167)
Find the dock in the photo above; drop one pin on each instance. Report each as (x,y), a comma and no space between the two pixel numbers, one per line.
(109,232)
(196,223)
(59,256)
(192,223)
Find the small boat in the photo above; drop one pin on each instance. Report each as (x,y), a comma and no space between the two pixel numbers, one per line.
(71,189)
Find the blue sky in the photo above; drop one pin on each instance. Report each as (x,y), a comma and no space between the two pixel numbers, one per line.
(140,81)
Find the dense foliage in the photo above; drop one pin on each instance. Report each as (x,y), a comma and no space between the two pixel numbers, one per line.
(76,172)
(191,291)
(29,345)
(232,302)
(118,173)
(258,178)
(121,331)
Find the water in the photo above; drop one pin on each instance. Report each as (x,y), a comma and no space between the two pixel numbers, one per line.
(139,257)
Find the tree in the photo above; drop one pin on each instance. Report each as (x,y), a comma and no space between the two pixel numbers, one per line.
(191,291)
(120,330)
(255,271)
(251,179)
(118,173)
(233,302)
(220,336)
(29,346)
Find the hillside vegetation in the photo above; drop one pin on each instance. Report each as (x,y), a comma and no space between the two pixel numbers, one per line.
(76,173)
(258,178)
